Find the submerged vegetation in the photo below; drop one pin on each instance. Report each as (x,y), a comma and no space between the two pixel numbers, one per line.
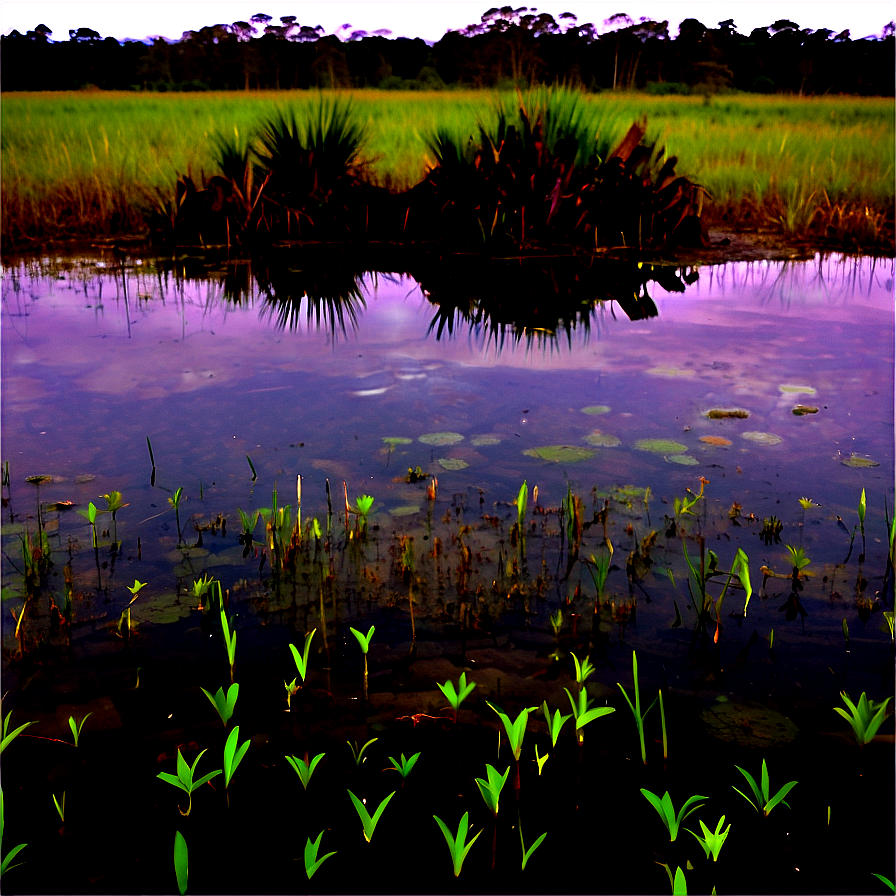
(818,168)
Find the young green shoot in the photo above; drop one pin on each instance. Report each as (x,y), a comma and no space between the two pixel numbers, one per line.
(636,706)
(224,704)
(865,717)
(885,880)
(60,807)
(541,760)
(10,736)
(491,787)
(404,767)
(174,501)
(712,841)
(181,862)
(666,810)
(303,768)
(5,860)
(457,846)
(367,821)
(90,515)
(364,644)
(556,620)
(358,755)
(798,558)
(555,723)
(76,727)
(114,503)
(184,778)
(233,755)
(457,696)
(312,862)
(302,658)
(516,730)
(583,715)
(762,799)
(599,567)
(527,853)
(583,670)
(663,722)
(229,637)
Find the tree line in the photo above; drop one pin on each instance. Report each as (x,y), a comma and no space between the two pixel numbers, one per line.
(507,47)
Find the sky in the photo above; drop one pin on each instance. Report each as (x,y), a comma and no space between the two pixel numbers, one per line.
(428,19)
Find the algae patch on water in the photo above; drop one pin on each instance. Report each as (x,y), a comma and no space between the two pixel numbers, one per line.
(857,462)
(684,460)
(791,389)
(602,439)
(724,413)
(595,409)
(559,454)
(715,440)
(441,438)
(452,463)
(661,446)
(802,409)
(762,438)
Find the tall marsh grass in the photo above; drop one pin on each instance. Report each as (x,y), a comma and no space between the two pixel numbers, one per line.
(86,163)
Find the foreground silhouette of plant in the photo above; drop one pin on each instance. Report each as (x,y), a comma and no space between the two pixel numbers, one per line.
(181,862)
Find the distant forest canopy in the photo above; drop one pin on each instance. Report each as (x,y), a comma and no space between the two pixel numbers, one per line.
(508,47)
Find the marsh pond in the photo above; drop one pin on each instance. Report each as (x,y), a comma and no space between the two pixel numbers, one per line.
(513,469)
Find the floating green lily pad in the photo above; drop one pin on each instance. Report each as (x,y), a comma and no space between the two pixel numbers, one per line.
(749,724)
(724,413)
(789,388)
(661,446)
(392,441)
(405,510)
(161,609)
(595,409)
(670,371)
(441,438)
(685,460)
(762,438)
(602,439)
(560,454)
(802,409)
(857,462)
(452,463)
(483,441)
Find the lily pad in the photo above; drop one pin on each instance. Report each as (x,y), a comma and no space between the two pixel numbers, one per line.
(670,371)
(405,510)
(749,724)
(452,463)
(715,440)
(602,439)
(483,441)
(595,409)
(685,460)
(392,441)
(789,388)
(802,409)
(762,438)
(724,413)
(661,446)
(560,454)
(161,609)
(441,438)
(857,462)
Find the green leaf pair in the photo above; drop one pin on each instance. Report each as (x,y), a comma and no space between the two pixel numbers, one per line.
(762,799)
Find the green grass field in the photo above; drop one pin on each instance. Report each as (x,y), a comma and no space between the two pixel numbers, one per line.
(85,163)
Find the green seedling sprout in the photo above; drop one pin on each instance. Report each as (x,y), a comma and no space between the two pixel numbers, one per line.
(521,499)
(457,696)
(224,704)
(798,558)
(135,589)
(303,768)
(555,723)
(114,503)
(90,515)
(712,841)
(583,670)
(527,853)
(541,760)
(491,787)
(663,723)
(312,862)
(886,880)
(291,690)
(666,811)
(363,504)
(302,658)
(636,706)
(201,587)
(599,567)
(184,778)
(229,637)
(516,730)
(233,755)
(77,726)
(679,884)
(556,620)
(174,501)
(181,862)
(5,860)
(888,618)
(584,715)
(364,643)
(358,755)
(762,799)
(404,767)
(60,807)
(861,512)
(457,846)
(367,821)
(10,736)
(865,717)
